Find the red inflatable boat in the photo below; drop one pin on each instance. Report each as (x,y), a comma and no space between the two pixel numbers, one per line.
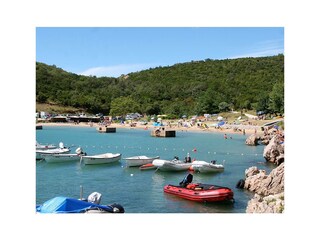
(200,192)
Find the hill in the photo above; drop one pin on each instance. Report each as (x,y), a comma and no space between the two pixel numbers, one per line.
(196,87)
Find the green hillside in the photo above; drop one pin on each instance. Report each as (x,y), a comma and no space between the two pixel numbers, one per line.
(196,87)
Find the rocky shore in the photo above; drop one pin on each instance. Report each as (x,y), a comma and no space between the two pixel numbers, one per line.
(269,189)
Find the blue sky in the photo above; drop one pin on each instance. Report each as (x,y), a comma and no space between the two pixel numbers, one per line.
(113,51)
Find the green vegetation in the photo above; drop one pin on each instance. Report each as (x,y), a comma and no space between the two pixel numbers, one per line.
(196,87)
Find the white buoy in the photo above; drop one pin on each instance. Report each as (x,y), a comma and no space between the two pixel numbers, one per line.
(131,174)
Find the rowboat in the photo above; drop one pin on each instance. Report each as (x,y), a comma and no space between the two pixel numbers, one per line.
(62,149)
(147,166)
(45,146)
(101,158)
(64,157)
(137,161)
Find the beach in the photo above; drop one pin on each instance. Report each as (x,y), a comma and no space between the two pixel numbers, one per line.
(246,129)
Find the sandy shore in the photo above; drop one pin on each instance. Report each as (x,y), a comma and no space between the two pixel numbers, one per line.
(228,129)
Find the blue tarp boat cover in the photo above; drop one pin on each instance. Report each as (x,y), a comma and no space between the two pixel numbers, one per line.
(68,205)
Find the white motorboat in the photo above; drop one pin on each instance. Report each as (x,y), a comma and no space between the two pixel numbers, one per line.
(101,158)
(205,167)
(173,165)
(137,161)
(64,157)
(62,149)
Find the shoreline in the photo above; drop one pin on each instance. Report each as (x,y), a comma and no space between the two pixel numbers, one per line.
(228,129)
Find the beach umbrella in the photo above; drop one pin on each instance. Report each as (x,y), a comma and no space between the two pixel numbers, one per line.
(221,123)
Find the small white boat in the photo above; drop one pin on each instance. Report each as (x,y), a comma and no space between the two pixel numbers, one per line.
(62,149)
(101,158)
(64,157)
(173,165)
(205,167)
(45,146)
(137,161)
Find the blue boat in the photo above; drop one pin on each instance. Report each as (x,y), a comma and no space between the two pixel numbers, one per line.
(72,205)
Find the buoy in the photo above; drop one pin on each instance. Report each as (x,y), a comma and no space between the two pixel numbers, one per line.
(131,174)
(194,150)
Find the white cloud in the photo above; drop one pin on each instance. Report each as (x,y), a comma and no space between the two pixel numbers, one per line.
(263,49)
(117,70)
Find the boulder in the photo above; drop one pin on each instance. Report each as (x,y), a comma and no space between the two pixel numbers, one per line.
(269,204)
(252,140)
(274,149)
(258,181)
(269,189)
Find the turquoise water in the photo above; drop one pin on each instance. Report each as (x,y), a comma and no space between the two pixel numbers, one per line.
(142,191)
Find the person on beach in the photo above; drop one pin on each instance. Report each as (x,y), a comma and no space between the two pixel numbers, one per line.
(225,136)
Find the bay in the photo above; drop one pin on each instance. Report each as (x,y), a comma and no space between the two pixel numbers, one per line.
(142,191)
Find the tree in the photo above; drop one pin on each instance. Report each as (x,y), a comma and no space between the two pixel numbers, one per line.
(276,104)
(122,105)
(223,106)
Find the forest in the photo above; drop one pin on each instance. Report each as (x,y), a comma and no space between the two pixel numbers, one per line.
(196,87)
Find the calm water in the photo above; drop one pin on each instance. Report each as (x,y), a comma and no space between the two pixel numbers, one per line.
(142,191)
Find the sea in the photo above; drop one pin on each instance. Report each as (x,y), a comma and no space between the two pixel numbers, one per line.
(142,191)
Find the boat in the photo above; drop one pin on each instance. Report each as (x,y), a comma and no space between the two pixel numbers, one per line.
(137,161)
(171,165)
(147,166)
(45,146)
(64,157)
(62,204)
(101,158)
(199,192)
(62,149)
(205,167)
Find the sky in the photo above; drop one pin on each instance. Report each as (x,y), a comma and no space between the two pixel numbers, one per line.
(112,51)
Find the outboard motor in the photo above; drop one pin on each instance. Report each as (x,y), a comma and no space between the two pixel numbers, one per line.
(95,198)
(187,179)
(117,208)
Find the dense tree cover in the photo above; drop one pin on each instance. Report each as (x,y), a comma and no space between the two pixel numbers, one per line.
(196,87)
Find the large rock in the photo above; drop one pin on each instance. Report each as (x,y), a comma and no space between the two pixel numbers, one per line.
(269,189)
(258,181)
(274,149)
(268,204)
(252,140)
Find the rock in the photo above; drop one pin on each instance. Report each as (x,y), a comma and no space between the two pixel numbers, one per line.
(252,140)
(258,181)
(269,204)
(251,171)
(274,149)
(269,189)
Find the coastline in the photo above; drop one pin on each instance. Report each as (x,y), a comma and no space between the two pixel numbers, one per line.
(227,129)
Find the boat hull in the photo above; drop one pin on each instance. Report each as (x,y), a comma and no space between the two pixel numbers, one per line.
(40,154)
(61,158)
(165,165)
(139,160)
(101,159)
(205,167)
(210,193)
(147,166)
